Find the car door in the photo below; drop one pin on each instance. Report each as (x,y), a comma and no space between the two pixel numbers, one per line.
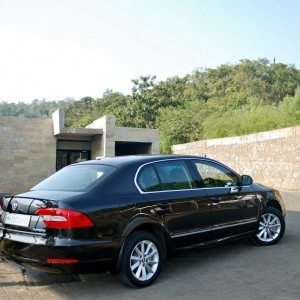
(170,189)
(233,207)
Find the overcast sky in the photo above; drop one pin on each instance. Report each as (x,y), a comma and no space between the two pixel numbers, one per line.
(55,49)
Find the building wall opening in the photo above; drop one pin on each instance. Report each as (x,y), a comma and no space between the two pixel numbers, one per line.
(71,152)
(132,148)
(68,157)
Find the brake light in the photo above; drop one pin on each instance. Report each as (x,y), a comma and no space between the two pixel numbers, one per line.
(61,261)
(63,218)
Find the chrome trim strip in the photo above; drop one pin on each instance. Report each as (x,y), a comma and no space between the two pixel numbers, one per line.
(31,233)
(248,221)
(183,158)
(189,233)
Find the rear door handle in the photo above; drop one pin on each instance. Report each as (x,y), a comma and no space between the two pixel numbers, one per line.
(215,202)
(163,208)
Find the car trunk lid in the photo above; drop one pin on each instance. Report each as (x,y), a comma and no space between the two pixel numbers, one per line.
(30,215)
(19,213)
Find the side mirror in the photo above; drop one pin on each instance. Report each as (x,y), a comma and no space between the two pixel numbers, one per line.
(247,180)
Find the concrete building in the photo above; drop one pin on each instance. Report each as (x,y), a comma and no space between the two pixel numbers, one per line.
(32,149)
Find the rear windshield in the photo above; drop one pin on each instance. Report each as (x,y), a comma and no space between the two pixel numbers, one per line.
(75,178)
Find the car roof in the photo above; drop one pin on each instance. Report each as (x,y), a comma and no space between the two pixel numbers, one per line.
(122,160)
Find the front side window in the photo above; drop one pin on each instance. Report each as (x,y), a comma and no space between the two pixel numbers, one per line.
(75,178)
(215,175)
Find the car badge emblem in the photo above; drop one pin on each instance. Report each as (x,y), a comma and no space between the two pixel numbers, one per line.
(15,206)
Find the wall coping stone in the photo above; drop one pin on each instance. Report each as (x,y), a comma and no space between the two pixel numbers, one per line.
(245,139)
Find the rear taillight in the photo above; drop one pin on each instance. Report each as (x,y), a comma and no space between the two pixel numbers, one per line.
(63,218)
(1,207)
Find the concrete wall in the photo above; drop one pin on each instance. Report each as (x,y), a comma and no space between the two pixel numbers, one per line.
(271,158)
(141,135)
(28,146)
(104,145)
(27,152)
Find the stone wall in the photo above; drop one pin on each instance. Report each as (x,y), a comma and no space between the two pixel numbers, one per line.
(271,158)
(27,152)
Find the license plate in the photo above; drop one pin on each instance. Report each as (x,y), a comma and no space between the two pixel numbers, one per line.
(17,219)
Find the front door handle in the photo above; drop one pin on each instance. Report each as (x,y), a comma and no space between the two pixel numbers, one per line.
(234,190)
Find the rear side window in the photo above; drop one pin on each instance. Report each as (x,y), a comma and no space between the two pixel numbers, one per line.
(75,178)
(174,175)
(165,176)
(148,180)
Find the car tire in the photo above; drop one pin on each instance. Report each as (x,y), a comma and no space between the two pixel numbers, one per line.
(271,227)
(141,260)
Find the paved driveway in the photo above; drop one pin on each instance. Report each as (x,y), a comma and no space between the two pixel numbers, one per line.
(238,270)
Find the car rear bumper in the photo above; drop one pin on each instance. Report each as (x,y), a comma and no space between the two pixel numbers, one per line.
(66,255)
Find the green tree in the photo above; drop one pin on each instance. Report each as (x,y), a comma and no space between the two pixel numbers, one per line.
(232,99)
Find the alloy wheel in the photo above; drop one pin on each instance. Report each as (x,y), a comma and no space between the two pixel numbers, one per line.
(269,228)
(144,260)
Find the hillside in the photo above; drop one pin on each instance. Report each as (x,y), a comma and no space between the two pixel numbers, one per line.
(237,99)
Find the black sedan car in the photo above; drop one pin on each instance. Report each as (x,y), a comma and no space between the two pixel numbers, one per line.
(127,213)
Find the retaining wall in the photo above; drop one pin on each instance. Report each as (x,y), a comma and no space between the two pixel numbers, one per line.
(271,158)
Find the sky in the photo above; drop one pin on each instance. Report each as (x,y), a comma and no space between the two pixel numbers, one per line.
(54,49)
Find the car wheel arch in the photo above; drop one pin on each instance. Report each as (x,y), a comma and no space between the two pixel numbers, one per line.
(275,204)
(142,223)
